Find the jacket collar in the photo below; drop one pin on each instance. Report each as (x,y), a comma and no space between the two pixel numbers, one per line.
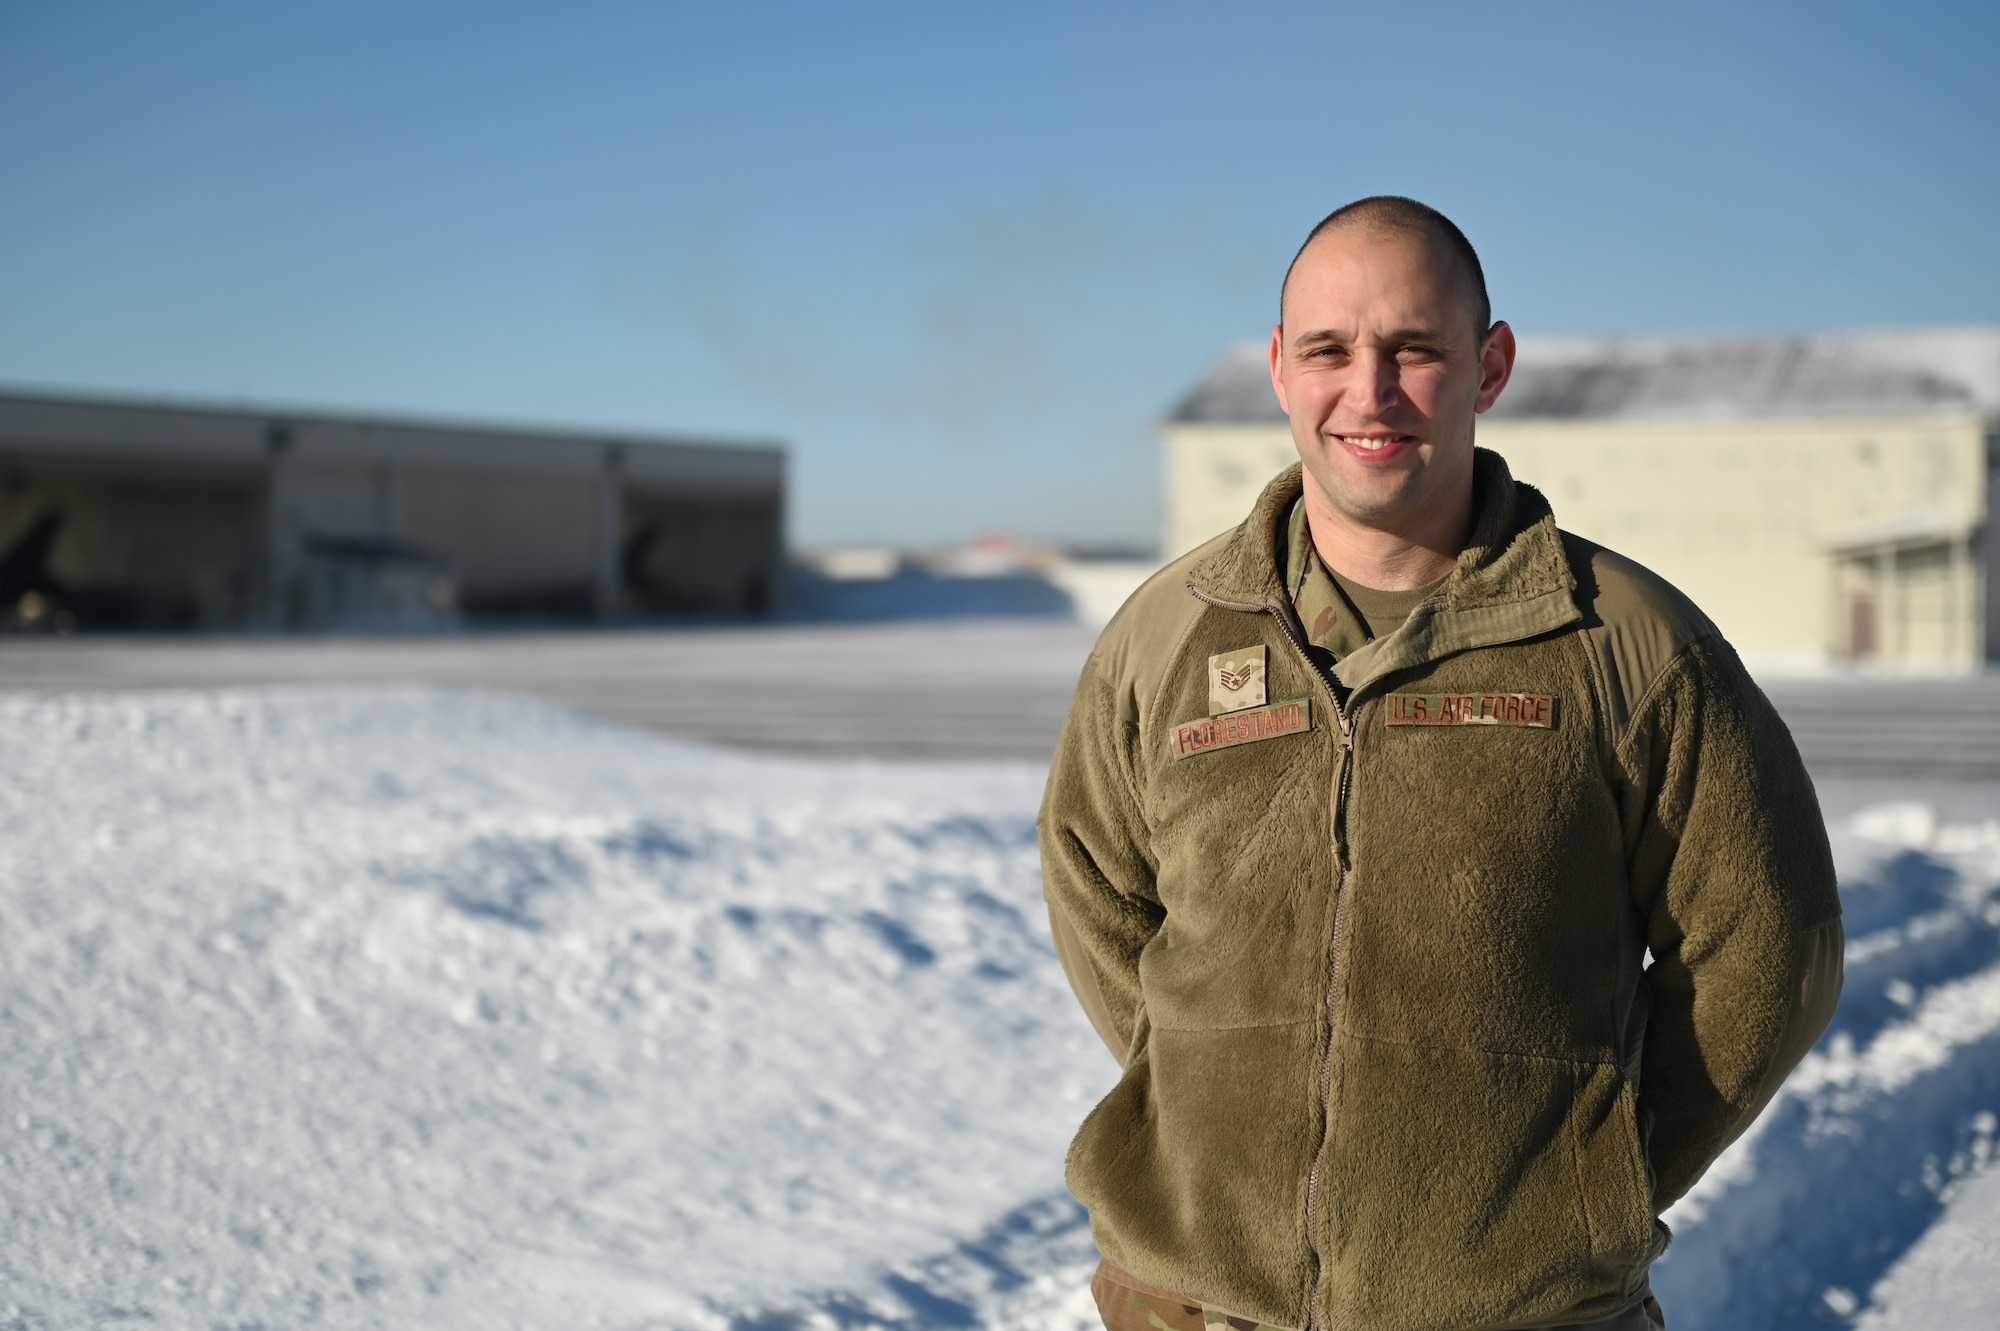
(1511,582)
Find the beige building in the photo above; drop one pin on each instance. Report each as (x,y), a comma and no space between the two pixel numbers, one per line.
(1825,499)
(126,515)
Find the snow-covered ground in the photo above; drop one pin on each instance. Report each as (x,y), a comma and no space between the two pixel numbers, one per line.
(422,1009)
(446,1011)
(1881,1125)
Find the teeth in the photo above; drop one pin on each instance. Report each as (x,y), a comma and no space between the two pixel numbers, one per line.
(1372,445)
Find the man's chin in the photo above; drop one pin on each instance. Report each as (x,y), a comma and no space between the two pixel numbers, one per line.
(1375,499)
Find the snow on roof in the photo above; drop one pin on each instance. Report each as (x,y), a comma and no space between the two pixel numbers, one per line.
(1929,372)
(1236,392)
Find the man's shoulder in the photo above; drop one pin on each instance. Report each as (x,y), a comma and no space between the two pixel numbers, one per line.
(1636,622)
(1133,648)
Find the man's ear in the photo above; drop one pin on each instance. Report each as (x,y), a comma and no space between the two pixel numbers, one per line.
(1278,367)
(1496,365)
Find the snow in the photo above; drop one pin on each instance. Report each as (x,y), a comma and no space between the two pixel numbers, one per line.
(1864,1146)
(423,1010)
(377,1008)
(1951,1277)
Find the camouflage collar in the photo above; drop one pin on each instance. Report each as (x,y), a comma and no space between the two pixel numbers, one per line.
(1330,621)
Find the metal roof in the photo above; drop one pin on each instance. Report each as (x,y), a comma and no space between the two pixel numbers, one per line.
(1927,372)
(1236,392)
(86,430)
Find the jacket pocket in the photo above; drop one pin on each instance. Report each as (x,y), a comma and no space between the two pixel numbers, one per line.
(1476,1188)
(1194,1167)
(1613,1173)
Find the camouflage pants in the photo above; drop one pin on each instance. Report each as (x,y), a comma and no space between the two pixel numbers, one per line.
(1127,1303)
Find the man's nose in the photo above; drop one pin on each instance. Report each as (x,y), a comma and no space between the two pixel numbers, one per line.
(1374,383)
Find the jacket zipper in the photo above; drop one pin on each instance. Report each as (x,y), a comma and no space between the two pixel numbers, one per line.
(1343,783)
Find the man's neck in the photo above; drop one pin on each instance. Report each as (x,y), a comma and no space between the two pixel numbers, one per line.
(1383,558)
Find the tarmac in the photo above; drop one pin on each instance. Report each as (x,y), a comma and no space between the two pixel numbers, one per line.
(932,690)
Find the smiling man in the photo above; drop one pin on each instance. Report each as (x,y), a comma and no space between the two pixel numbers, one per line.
(1365,822)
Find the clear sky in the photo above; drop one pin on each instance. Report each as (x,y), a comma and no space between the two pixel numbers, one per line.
(960,258)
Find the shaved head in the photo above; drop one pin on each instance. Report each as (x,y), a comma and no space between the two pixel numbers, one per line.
(1394,213)
(1385,356)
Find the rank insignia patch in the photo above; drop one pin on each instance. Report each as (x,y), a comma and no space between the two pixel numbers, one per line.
(1534,710)
(1236,680)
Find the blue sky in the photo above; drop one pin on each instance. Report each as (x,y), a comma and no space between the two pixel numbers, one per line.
(960,259)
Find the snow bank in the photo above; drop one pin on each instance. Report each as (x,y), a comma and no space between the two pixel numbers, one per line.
(1951,1279)
(366,1009)
(1866,1143)
(442,1011)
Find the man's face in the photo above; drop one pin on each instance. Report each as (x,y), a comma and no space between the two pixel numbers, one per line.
(1380,368)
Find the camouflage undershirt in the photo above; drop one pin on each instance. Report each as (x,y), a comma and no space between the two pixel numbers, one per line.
(1339,614)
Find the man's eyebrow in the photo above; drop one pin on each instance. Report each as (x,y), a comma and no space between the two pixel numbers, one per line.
(1322,336)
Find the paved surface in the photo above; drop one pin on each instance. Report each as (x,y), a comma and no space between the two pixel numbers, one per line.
(1888,727)
(932,690)
(940,689)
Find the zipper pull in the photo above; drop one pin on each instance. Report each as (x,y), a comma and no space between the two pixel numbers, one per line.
(1339,802)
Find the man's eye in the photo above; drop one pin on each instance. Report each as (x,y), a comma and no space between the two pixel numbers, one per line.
(1416,355)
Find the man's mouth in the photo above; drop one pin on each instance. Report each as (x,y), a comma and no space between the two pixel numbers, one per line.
(1374,443)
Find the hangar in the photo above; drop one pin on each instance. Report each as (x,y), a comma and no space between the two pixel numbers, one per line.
(1827,500)
(117,514)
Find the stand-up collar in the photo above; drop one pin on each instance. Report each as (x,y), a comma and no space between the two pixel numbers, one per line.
(1511,580)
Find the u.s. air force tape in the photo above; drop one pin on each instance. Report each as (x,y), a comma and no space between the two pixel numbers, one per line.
(1536,710)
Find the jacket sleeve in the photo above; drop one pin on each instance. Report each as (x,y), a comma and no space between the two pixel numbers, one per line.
(1731,868)
(1097,867)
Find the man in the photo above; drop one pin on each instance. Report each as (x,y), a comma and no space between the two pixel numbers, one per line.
(1364,821)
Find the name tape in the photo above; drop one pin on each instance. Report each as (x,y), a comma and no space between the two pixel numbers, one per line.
(1245,727)
(1536,710)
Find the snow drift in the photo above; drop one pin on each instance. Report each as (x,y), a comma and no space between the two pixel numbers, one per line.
(408,1009)
(443,1011)
(1867,1141)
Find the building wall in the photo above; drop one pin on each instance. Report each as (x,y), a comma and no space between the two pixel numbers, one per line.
(154,550)
(682,558)
(516,540)
(202,517)
(1907,602)
(1989,546)
(1214,473)
(1742,515)
(552,543)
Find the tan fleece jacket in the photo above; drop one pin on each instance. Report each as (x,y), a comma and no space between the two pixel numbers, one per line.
(1392,1058)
